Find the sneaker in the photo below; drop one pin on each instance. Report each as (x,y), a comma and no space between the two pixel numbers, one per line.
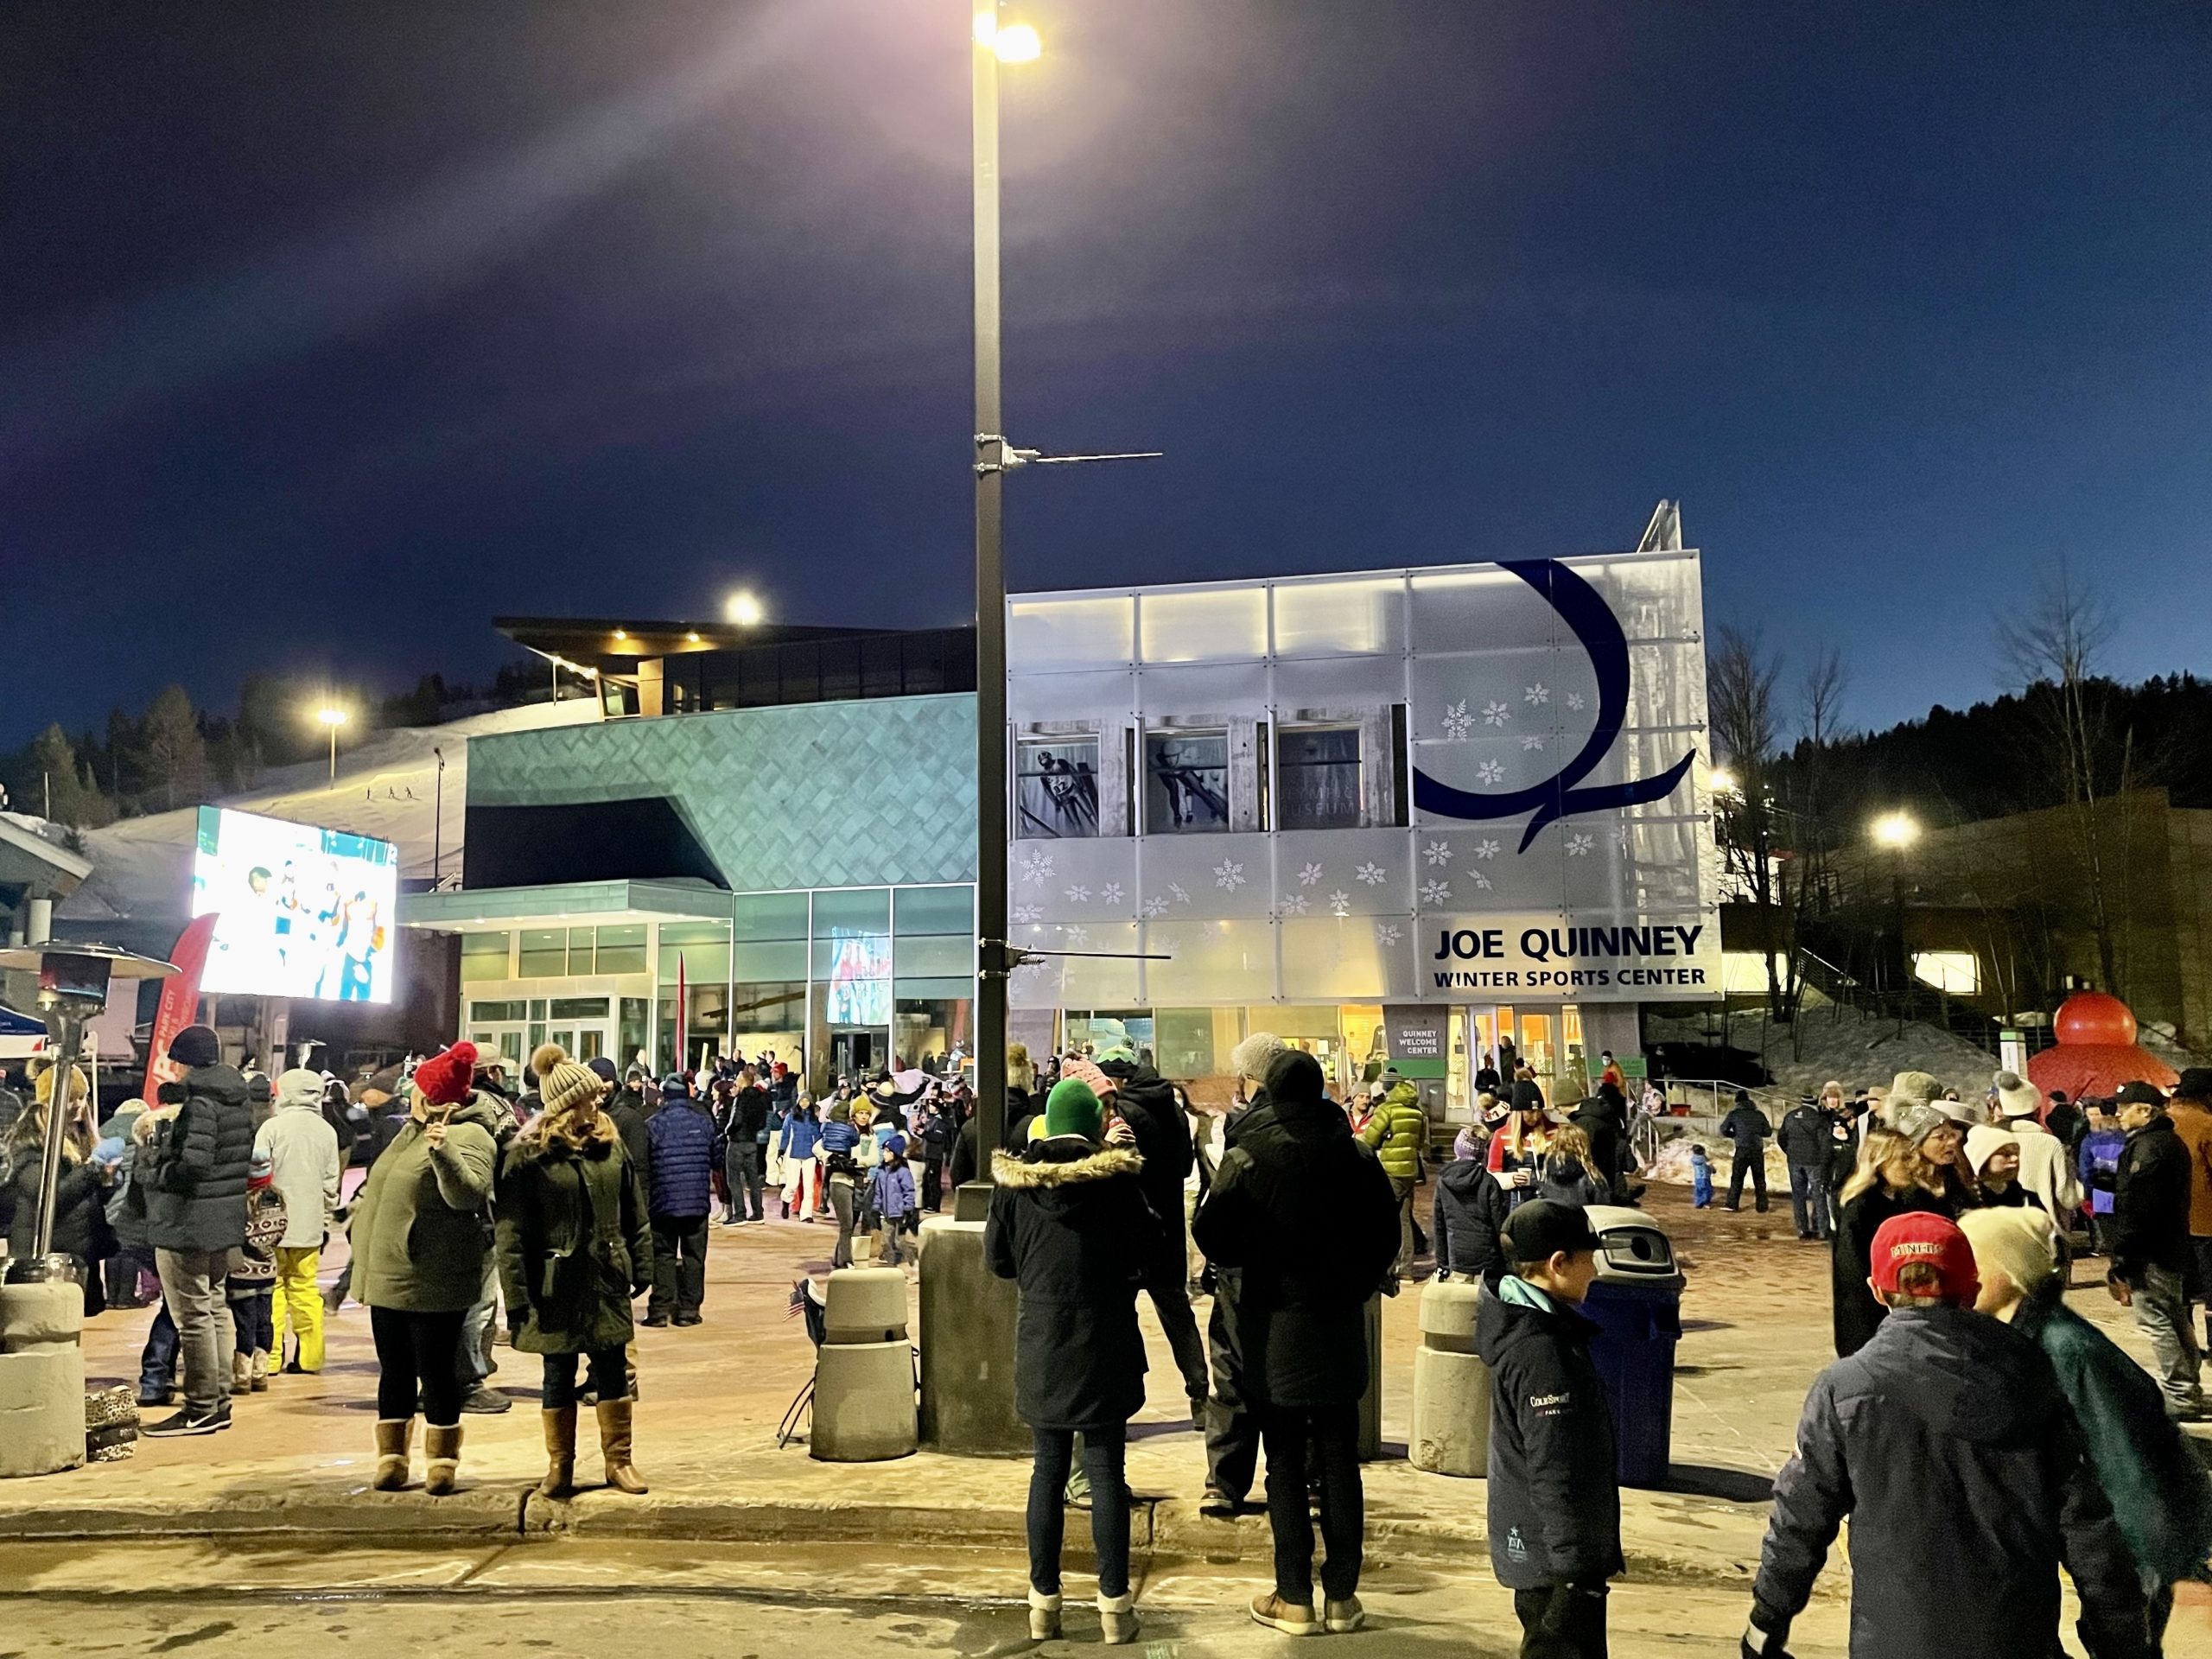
(1342,1617)
(486,1401)
(654,1321)
(688,1319)
(188,1421)
(1218,1504)
(1288,1616)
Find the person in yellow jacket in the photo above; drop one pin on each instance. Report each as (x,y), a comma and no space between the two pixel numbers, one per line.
(1397,1129)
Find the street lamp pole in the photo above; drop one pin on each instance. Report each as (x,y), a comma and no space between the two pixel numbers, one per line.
(990,462)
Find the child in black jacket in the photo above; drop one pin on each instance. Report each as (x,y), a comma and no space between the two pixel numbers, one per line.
(1554,1493)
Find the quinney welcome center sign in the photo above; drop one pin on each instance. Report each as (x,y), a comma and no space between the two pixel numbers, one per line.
(1444,785)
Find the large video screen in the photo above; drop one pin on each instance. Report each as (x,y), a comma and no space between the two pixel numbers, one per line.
(304,912)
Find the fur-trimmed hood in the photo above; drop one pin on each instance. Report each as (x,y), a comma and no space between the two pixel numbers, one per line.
(1047,1171)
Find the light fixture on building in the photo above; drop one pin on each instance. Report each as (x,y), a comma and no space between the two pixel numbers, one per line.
(621,633)
(1722,781)
(743,608)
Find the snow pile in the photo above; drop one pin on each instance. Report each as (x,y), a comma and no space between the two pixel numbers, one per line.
(1831,1041)
(387,788)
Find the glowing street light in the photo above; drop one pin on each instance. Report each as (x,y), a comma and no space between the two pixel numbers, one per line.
(1722,781)
(332,717)
(744,609)
(1015,43)
(1896,830)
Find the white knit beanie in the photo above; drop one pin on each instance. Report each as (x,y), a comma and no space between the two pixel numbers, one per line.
(2018,1243)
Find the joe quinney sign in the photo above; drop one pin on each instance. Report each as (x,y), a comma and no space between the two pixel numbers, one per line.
(1558,954)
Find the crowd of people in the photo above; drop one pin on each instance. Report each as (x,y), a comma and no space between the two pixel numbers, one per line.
(1971,1416)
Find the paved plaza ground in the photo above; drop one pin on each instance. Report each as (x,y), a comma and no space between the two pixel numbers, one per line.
(278,1504)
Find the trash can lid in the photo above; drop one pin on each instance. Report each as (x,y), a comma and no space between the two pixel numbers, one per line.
(1632,1245)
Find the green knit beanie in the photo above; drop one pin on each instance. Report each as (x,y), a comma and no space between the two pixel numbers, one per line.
(1072,1108)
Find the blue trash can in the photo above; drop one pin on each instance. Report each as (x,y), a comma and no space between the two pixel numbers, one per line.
(1636,1304)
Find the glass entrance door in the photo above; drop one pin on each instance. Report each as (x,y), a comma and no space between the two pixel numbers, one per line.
(582,1043)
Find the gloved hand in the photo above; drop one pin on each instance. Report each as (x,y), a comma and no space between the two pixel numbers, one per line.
(1559,1611)
(1764,1634)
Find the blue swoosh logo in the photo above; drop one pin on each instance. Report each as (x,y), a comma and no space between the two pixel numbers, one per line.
(1585,611)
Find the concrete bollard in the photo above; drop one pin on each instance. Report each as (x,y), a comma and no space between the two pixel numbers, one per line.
(1451,1425)
(968,1320)
(42,1378)
(864,1373)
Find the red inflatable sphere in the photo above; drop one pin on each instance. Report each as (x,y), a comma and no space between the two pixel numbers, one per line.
(2093,1018)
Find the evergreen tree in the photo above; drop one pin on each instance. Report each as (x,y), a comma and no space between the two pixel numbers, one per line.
(175,753)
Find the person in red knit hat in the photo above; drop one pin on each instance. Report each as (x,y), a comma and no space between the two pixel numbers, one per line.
(419,1255)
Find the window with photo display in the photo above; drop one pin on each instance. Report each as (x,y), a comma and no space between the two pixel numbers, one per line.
(1055,790)
(1185,782)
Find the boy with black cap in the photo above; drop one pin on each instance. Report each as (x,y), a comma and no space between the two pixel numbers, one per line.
(1554,1492)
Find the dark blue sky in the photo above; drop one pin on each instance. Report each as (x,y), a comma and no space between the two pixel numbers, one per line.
(326,333)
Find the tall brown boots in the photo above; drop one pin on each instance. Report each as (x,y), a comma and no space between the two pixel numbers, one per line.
(560,1452)
(614,1445)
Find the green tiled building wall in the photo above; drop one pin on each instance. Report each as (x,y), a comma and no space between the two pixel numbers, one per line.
(819,795)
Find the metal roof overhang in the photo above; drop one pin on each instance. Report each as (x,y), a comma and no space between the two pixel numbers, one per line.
(487,908)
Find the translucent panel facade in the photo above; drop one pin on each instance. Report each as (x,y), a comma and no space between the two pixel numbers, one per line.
(1465,785)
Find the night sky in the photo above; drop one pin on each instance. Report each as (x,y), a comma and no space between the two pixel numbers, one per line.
(328,331)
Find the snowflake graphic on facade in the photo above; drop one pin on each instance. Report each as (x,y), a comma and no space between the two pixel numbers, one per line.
(1482,881)
(1620,837)
(1111,894)
(1155,907)
(1038,866)
(1297,905)
(1437,853)
(1386,935)
(1491,771)
(1075,935)
(1458,722)
(1537,693)
(1029,912)
(1178,892)
(1229,875)
(1340,903)
(1495,714)
(1487,849)
(1531,741)
(1579,846)
(1078,894)
(1574,700)
(1372,873)
(1309,876)
(1435,893)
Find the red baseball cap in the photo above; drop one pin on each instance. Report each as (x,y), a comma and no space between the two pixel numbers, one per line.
(1924,1239)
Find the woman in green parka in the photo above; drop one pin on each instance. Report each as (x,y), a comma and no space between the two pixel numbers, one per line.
(2160,1494)
(574,1248)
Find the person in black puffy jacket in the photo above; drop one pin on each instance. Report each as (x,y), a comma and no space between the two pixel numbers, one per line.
(1307,1213)
(1147,1103)
(682,1138)
(195,1216)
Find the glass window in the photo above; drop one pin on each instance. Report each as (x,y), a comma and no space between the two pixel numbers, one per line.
(580,941)
(941,955)
(925,1029)
(1317,778)
(537,1009)
(776,959)
(544,953)
(483,956)
(852,955)
(494,1014)
(1063,633)
(622,948)
(949,911)
(770,915)
(1203,625)
(1056,788)
(1185,782)
(702,948)
(633,1031)
(1327,617)
(776,1005)
(579,1007)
